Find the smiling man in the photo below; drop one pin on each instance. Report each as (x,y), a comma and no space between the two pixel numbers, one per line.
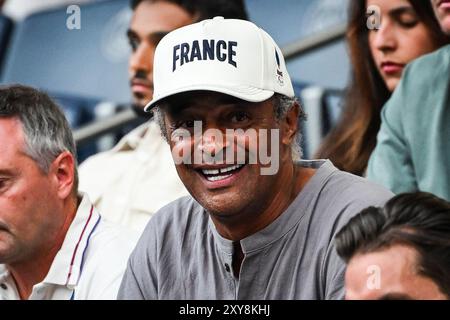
(137,177)
(245,232)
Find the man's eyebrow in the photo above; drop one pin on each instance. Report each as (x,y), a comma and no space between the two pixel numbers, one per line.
(187,105)
(396,296)
(131,33)
(155,37)
(232,100)
(6,172)
(181,111)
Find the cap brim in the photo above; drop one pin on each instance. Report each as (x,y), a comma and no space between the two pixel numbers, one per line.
(247,93)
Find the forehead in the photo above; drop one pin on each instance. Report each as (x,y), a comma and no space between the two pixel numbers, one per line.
(150,17)
(399,259)
(204,101)
(11,137)
(395,266)
(386,5)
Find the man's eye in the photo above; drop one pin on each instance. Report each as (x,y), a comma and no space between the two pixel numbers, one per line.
(239,117)
(134,43)
(188,124)
(2,184)
(183,124)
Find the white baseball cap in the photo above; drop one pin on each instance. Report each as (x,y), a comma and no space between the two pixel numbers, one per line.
(230,56)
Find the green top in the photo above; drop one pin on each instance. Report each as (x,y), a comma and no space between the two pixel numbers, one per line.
(413,149)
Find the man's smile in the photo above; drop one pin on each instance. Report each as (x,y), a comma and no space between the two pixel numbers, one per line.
(215,177)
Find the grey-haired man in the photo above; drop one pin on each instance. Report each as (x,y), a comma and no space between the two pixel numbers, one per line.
(53,243)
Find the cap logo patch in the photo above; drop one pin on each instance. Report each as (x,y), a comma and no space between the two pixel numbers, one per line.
(280,77)
(220,50)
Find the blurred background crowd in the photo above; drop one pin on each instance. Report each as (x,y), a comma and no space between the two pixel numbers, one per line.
(85,69)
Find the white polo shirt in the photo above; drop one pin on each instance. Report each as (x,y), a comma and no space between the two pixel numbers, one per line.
(89,265)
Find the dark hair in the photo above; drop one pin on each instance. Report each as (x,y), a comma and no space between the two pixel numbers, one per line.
(206,9)
(350,144)
(419,220)
(46,131)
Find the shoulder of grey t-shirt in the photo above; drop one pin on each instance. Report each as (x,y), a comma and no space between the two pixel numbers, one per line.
(341,197)
(167,228)
(349,193)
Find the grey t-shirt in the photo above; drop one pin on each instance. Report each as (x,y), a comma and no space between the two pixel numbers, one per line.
(181,255)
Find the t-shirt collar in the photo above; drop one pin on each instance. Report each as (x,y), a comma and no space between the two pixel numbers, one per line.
(288,219)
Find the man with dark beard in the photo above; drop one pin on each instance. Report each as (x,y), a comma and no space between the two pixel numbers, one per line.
(137,177)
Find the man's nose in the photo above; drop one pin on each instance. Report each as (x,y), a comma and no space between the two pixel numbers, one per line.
(142,58)
(213,142)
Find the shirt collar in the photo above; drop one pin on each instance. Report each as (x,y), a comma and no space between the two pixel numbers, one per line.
(131,140)
(4,273)
(146,134)
(68,263)
(288,219)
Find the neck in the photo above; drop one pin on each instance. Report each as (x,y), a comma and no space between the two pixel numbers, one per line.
(290,183)
(33,270)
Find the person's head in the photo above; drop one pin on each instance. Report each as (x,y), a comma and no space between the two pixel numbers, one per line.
(38,175)
(231,77)
(442,10)
(408,30)
(151,20)
(400,251)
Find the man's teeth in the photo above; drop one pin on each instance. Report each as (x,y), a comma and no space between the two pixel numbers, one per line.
(219,174)
(205,172)
(217,178)
(230,168)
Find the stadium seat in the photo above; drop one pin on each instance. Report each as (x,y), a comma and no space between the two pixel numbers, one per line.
(78,67)
(78,111)
(86,62)
(322,107)
(6,26)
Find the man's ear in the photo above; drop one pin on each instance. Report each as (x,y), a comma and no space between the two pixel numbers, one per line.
(290,124)
(63,170)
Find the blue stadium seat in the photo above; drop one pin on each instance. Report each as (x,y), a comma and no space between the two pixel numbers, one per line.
(322,107)
(6,26)
(86,62)
(78,111)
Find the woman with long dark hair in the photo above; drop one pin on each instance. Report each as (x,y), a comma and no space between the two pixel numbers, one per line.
(408,30)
